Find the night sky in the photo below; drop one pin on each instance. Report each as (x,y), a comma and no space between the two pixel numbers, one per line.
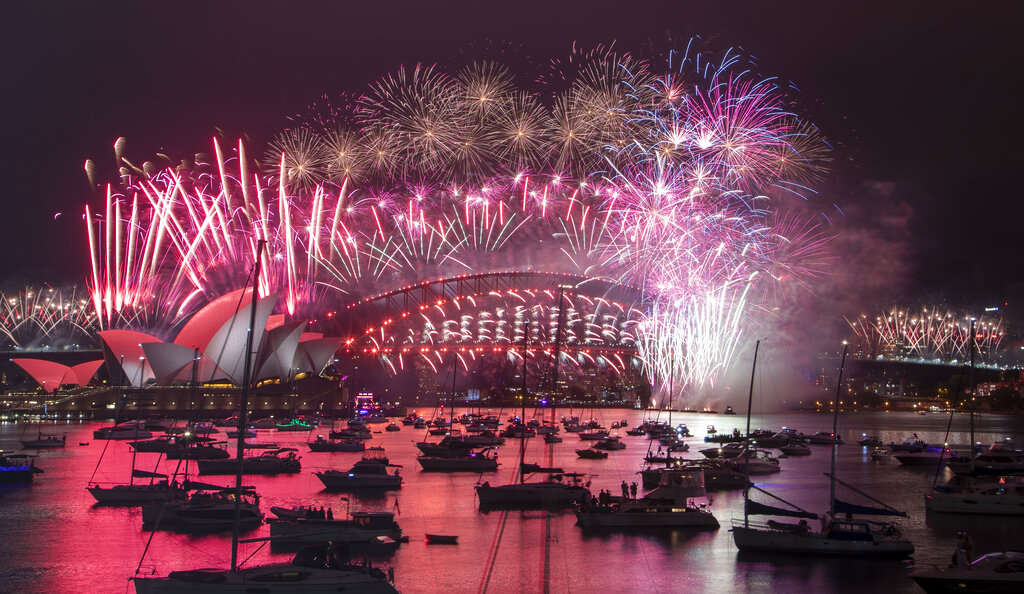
(919,99)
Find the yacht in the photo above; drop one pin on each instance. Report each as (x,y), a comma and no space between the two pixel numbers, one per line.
(483,461)
(364,474)
(17,468)
(44,441)
(129,430)
(322,444)
(985,495)
(758,462)
(994,572)
(141,494)
(206,510)
(280,461)
(998,459)
(557,491)
(362,528)
(669,506)
(314,570)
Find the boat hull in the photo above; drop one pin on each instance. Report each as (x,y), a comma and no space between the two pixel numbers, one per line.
(532,494)
(316,581)
(646,518)
(775,541)
(457,464)
(348,480)
(322,531)
(134,494)
(987,505)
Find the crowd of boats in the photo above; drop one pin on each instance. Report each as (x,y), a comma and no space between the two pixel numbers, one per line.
(672,483)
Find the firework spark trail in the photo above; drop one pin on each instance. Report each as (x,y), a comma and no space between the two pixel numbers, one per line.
(45,317)
(926,333)
(662,178)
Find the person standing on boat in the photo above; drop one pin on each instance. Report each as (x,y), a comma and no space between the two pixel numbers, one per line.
(625,491)
(632,490)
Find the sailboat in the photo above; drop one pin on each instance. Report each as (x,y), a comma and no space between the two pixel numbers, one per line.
(840,533)
(553,492)
(313,570)
(44,440)
(451,455)
(669,505)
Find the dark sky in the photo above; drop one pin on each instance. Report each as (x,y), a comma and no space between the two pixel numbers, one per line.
(919,98)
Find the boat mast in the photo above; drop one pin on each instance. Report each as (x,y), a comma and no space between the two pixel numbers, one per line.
(974,344)
(746,447)
(243,405)
(835,421)
(522,418)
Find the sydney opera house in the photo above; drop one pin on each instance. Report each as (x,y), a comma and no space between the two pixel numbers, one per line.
(200,369)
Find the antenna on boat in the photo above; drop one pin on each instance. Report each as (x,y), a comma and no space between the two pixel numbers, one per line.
(244,404)
(835,421)
(522,417)
(746,446)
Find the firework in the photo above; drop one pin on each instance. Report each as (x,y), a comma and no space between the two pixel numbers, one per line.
(670,179)
(929,333)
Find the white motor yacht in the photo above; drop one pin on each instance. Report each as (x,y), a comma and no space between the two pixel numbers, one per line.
(483,461)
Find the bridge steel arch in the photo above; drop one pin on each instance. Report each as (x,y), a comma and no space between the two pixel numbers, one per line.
(370,314)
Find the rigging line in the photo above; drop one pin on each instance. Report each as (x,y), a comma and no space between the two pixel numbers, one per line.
(493,554)
(160,515)
(949,426)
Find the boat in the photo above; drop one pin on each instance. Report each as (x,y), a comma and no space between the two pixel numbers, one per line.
(729,450)
(841,534)
(294,425)
(362,527)
(993,572)
(314,570)
(910,445)
(930,456)
(279,461)
(755,462)
(998,459)
(442,539)
(870,441)
(824,438)
(321,444)
(198,451)
(610,444)
(393,427)
(364,474)
(44,441)
(249,433)
(157,490)
(592,454)
(128,430)
(556,491)
(351,433)
(729,411)
(796,449)
(982,495)
(668,506)
(295,512)
(17,468)
(881,455)
(207,510)
(552,438)
(484,460)
(593,434)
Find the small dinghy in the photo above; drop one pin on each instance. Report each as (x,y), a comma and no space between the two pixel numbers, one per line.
(442,539)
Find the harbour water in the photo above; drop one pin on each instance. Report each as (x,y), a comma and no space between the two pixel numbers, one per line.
(56,540)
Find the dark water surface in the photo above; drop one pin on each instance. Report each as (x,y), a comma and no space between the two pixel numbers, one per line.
(54,539)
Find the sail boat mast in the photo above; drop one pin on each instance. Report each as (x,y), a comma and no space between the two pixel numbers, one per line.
(244,403)
(522,417)
(746,447)
(974,345)
(835,425)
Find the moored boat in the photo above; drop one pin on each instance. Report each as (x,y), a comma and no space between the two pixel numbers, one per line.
(280,461)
